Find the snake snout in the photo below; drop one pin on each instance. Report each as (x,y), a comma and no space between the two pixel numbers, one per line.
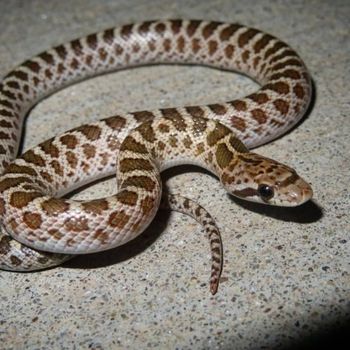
(307,193)
(299,193)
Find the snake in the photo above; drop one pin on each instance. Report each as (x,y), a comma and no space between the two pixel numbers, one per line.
(40,228)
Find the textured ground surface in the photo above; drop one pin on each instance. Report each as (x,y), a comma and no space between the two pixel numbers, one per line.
(286,275)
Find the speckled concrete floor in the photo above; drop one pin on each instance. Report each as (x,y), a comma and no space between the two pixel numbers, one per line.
(286,274)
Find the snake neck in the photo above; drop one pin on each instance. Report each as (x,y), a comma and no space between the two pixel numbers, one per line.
(166,142)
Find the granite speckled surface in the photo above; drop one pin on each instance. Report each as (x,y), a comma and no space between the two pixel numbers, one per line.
(286,274)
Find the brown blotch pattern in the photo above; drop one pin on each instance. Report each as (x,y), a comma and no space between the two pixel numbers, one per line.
(167,45)
(32,220)
(175,117)
(126,31)
(186,203)
(289,73)
(200,149)
(280,87)
(101,236)
(259,115)
(54,206)
(147,132)
(223,155)
(160,28)
(212,46)
(15,261)
(195,111)
(4,136)
(18,169)
(229,31)
(276,47)
(2,207)
(118,219)
(142,116)
(47,57)
(91,132)
(57,167)
(161,145)
(246,37)
(192,27)
(172,141)
(284,54)
(144,27)
(282,106)
(218,108)
(108,36)
(8,104)
(8,94)
(48,73)
(116,122)
(92,41)
(6,113)
(74,63)
(32,65)
(76,224)
(96,206)
(104,158)
(176,25)
(217,134)
(131,144)
(262,43)
(180,44)
(141,181)
(56,234)
(259,98)
(12,182)
(196,45)
(238,145)
(147,204)
(210,157)
(60,68)
(245,56)
(46,176)
(102,53)
(118,49)
(238,123)
(5,244)
(130,164)
(199,125)
(229,50)
(77,47)
(89,150)
(209,29)
(187,142)
(72,159)
(19,75)
(299,91)
(163,128)
(21,199)
(70,141)
(5,124)
(239,105)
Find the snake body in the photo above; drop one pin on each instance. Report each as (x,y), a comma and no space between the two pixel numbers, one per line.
(39,228)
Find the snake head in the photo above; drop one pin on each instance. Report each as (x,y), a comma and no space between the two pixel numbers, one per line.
(258,179)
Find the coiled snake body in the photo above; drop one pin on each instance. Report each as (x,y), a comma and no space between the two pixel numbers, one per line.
(39,228)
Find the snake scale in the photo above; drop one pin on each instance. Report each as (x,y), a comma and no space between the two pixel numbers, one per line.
(42,229)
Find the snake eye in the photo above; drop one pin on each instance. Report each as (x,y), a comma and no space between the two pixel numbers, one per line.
(265,192)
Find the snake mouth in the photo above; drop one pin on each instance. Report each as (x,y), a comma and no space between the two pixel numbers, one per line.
(307,194)
(300,193)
